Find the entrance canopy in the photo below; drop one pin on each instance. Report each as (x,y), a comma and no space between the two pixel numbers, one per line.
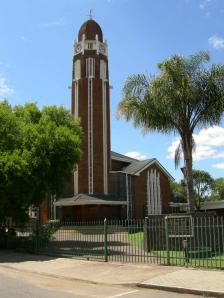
(84,199)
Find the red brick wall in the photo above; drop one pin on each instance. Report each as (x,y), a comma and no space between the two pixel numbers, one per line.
(83,165)
(140,198)
(98,185)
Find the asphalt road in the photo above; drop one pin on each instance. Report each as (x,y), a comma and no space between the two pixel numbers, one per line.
(16,284)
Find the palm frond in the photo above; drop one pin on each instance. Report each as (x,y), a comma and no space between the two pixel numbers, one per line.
(177,155)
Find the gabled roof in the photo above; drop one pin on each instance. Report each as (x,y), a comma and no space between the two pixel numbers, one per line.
(136,166)
(121,157)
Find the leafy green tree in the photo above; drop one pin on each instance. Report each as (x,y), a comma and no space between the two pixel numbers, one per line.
(218,191)
(39,149)
(178,192)
(203,186)
(184,96)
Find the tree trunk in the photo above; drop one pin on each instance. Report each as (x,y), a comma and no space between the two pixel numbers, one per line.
(187,151)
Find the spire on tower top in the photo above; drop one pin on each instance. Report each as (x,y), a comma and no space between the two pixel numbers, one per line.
(90,15)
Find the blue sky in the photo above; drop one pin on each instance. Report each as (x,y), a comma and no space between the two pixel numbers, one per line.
(36,58)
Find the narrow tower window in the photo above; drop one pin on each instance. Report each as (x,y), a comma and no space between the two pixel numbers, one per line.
(90,45)
(90,67)
(103,70)
(77,70)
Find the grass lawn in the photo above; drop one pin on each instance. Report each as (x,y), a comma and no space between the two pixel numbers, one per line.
(177,258)
(136,239)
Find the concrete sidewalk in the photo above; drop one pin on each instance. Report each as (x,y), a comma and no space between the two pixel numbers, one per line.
(192,281)
(195,281)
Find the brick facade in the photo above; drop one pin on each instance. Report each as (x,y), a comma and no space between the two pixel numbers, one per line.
(97,112)
(140,192)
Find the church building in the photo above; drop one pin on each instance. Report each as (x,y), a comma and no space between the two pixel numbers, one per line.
(106,184)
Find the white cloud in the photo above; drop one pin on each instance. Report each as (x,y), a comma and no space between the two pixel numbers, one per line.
(218,166)
(4,88)
(59,22)
(136,155)
(209,144)
(212,136)
(216,41)
(219,155)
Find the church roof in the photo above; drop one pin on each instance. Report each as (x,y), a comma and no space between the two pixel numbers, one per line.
(85,199)
(121,157)
(90,28)
(135,166)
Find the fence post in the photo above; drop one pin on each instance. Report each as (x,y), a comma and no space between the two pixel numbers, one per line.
(185,248)
(146,235)
(167,241)
(105,240)
(36,240)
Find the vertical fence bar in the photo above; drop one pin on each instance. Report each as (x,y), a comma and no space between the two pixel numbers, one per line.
(36,240)
(105,240)
(222,239)
(214,242)
(219,243)
(167,241)
(146,236)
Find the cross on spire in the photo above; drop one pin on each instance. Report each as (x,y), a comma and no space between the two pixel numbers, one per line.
(90,15)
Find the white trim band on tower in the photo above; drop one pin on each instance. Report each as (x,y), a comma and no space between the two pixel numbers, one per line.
(90,135)
(105,166)
(76,110)
(76,115)
(103,77)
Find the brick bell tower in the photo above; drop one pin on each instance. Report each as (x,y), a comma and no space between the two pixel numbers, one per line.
(91,104)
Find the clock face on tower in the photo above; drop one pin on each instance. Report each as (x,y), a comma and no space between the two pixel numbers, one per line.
(78,48)
(102,49)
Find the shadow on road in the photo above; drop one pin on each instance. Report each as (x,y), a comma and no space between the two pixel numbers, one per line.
(11,256)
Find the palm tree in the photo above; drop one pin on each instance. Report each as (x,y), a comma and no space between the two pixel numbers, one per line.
(184,96)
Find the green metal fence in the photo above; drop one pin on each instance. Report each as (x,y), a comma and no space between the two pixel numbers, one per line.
(182,240)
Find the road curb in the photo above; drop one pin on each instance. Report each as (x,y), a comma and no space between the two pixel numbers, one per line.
(125,284)
(181,290)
